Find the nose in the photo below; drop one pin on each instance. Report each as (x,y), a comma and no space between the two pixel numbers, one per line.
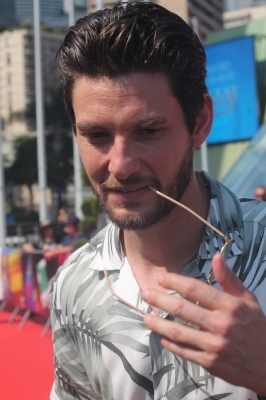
(124,160)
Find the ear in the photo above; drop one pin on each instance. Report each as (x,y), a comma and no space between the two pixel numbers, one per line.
(203,122)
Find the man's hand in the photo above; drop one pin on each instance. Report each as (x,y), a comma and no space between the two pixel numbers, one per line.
(231,340)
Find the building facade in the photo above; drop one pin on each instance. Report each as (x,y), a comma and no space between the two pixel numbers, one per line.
(7,13)
(234,18)
(204,16)
(14,13)
(230,5)
(48,9)
(208,14)
(17,79)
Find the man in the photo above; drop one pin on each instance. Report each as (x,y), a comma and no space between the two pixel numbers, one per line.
(260,193)
(45,242)
(65,248)
(133,314)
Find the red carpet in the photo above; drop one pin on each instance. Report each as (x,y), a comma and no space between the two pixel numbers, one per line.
(26,361)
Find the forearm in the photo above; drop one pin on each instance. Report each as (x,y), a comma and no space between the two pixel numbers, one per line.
(57,251)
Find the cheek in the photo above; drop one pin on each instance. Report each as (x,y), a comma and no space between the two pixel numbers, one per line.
(93,163)
(167,161)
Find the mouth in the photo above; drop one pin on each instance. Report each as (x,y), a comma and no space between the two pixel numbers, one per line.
(127,189)
(127,193)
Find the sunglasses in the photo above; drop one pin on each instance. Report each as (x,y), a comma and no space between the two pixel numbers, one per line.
(224,250)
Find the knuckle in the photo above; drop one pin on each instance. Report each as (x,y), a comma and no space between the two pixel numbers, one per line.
(224,327)
(178,310)
(218,352)
(252,297)
(174,333)
(190,289)
(218,348)
(210,361)
(152,297)
(236,308)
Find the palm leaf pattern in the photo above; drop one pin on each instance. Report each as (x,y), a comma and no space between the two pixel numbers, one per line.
(102,349)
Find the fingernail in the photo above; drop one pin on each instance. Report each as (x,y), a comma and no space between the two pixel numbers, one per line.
(145,295)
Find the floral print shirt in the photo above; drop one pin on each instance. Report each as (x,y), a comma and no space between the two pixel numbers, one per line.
(102,350)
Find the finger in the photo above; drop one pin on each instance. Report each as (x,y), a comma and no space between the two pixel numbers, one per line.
(177,337)
(197,356)
(207,359)
(227,278)
(173,331)
(210,351)
(217,321)
(194,290)
(178,307)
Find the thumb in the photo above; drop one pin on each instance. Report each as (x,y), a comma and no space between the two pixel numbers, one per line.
(226,277)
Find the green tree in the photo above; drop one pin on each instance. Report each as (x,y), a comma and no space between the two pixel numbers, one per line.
(59,147)
(24,170)
(88,225)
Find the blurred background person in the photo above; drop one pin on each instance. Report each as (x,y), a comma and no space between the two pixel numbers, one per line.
(260,193)
(61,223)
(65,248)
(47,239)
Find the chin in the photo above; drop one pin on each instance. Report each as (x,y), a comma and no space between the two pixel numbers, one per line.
(137,220)
(128,220)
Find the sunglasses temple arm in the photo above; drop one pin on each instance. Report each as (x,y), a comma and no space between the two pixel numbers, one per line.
(226,239)
(120,298)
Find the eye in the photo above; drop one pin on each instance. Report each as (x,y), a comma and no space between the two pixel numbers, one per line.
(149,133)
(97,137)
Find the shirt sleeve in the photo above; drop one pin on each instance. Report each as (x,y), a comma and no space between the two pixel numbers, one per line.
(71,380)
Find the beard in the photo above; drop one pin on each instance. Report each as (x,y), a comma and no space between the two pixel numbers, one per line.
(134,220)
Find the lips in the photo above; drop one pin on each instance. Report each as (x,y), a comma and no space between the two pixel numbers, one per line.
(126,190)
(130,194)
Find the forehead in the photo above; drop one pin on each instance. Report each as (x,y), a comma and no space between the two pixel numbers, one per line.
(128,83)
(136,93)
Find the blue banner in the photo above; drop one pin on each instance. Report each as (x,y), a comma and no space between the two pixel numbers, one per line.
(232,84)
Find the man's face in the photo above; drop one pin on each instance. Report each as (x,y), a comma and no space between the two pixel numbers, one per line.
(131,134)
(71,229)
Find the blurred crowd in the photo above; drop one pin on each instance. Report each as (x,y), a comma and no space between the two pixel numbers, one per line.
(58,238)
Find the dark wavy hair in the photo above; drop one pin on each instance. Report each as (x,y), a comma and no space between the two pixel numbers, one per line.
(136,37)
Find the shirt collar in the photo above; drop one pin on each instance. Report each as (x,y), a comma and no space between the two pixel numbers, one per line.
(104,250)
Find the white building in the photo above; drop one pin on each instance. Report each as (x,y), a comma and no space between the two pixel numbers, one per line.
(17,78)
(230,5)
(232,19)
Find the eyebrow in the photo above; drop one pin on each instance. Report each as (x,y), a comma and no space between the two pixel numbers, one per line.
(84,126)
(138,123)
(148,121)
